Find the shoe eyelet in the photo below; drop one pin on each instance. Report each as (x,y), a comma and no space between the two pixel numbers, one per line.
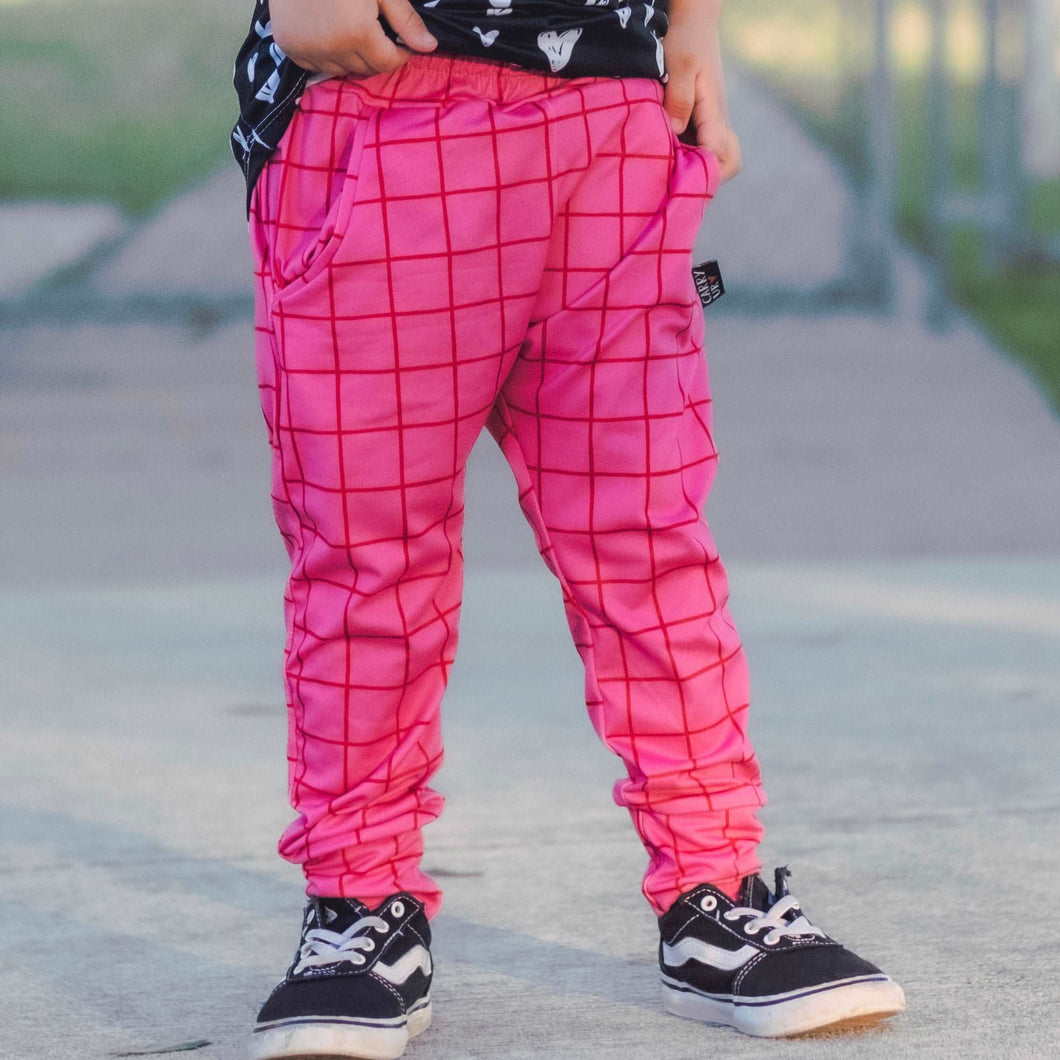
(397,909)
(369,946)
(358,958)
(770,942)
(708,903)
(750,928)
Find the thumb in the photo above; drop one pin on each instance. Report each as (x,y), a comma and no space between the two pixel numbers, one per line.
(678,99)
(408,25)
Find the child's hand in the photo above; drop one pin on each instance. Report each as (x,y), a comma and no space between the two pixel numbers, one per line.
(696,84)
(345,37)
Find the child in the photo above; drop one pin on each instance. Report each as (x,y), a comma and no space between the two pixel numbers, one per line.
(481,213)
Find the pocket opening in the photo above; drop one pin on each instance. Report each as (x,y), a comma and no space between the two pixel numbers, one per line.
(299,208)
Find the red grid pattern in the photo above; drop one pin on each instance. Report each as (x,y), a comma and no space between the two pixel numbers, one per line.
(462,244)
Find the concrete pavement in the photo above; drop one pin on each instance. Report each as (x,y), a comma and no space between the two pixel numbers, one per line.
(910,760)
(889,505)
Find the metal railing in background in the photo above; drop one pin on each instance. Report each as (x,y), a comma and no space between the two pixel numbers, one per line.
(870,257)
(997,208)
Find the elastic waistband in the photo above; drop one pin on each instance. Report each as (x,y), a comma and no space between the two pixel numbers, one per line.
(439,76)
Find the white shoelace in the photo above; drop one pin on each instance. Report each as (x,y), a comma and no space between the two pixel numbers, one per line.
(322,946)
(774,920)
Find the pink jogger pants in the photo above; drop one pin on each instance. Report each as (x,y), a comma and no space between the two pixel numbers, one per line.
(462,243)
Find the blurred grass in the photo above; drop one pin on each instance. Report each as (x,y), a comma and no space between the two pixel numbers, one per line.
(128,100)
(814,60)
(116,100)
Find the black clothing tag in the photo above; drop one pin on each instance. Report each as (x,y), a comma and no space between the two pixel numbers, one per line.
(708,281)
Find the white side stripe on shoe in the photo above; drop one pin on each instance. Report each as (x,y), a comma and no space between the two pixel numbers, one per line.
(691,949)
(398,972)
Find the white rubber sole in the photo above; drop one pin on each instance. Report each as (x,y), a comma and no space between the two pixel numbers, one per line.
(363,1040)
(847,1004)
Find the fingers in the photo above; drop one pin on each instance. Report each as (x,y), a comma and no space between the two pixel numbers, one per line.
(338,37)
(372,52)
(380,53)
(407,24)
(685,101)
(714,132)
(708,128)
(679,94)
(731,162)
(352,63)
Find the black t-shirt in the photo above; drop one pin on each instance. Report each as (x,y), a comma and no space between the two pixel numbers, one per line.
(566,38)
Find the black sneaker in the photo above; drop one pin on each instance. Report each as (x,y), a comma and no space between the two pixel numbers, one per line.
(760,966)
(359,985)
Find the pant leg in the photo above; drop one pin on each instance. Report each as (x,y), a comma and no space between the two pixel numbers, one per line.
(393,296)
(606,422)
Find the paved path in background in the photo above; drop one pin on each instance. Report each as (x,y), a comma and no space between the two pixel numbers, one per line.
(889,504)
(37,238)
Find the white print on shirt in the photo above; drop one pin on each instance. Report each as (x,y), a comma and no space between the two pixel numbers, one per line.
(267,92)
(240,138)
(268,83)
(558,46)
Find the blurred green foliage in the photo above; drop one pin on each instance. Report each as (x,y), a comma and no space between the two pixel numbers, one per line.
(99,103)
(118,100)
(814,55)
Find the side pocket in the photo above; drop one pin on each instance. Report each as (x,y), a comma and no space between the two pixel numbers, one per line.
(696,170)
(316,185)
(265,359)
(708,160)
(713,169)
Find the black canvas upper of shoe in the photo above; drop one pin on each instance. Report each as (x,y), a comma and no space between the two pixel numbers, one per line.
(817,958)
(755,893)
(409,929)
(792,963)
(335,914)
(366,997)
(344,987)
(706,926)
(799,969)
(687,916)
